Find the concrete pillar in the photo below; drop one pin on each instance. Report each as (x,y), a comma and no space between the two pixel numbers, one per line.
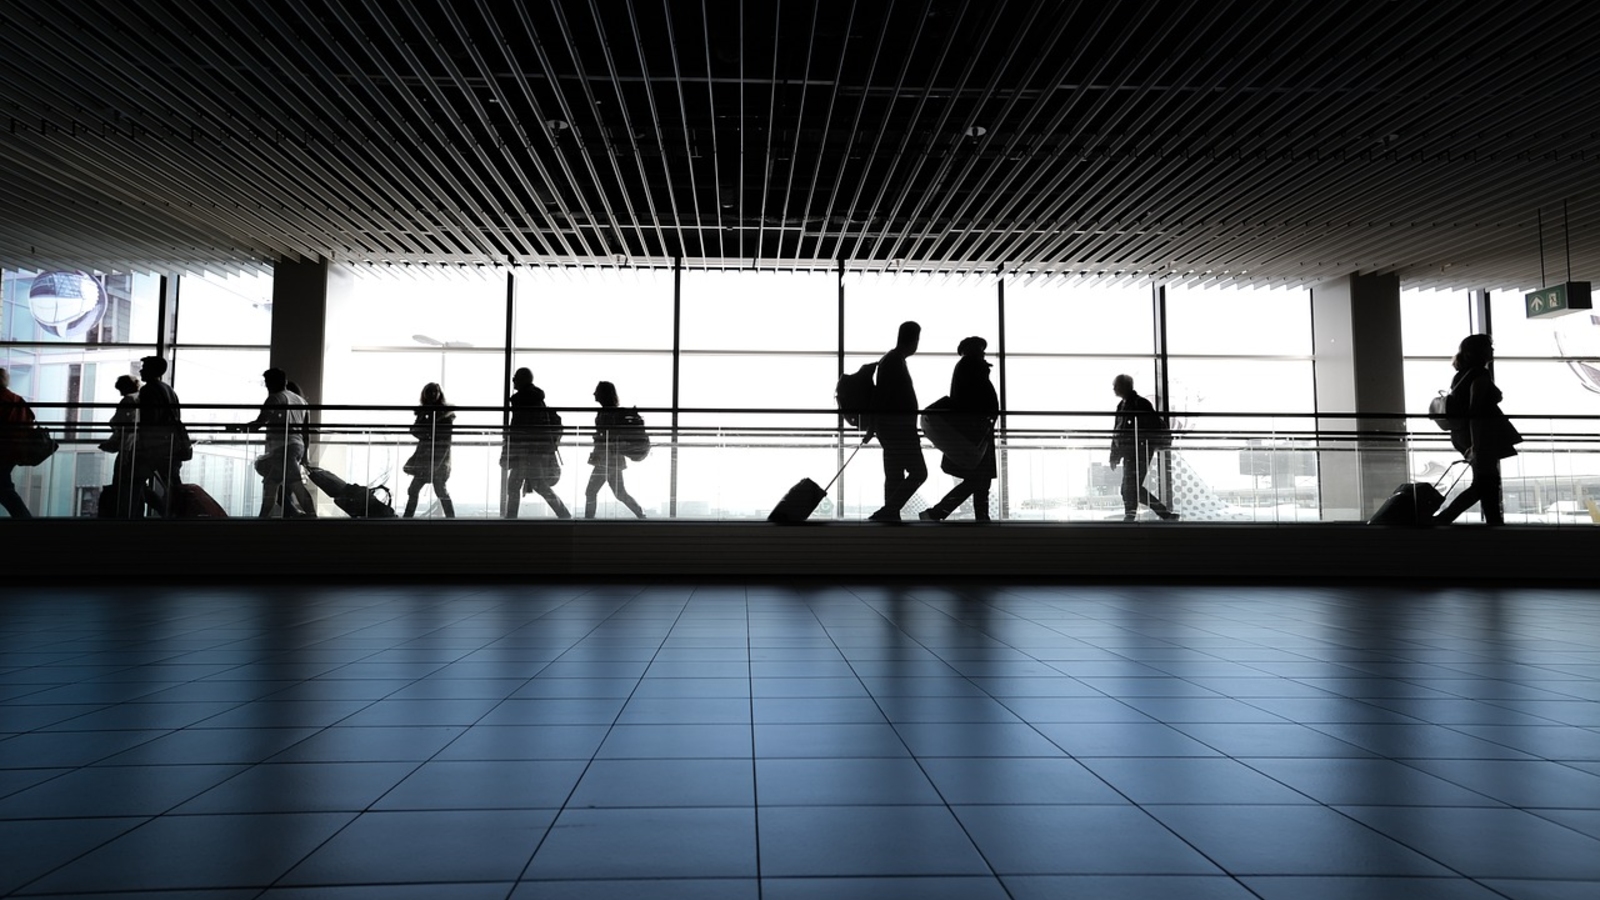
(300,301)
(1359,370)
(300,292)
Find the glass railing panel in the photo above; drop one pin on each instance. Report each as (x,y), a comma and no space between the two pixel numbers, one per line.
(734,466)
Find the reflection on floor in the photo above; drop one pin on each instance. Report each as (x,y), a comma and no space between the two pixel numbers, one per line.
(839,741)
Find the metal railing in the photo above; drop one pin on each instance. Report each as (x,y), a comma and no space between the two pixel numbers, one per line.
(734,465)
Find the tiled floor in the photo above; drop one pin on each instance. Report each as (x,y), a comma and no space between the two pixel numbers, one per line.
(850,741)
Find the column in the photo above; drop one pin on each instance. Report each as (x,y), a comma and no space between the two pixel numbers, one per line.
(300,301)
(1359,372)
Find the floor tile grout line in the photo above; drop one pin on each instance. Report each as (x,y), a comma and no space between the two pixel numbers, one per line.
(1141,807)
(358,814)
(1405,761)
(755,754)
(1327,806)
(1118,791)
(621,709)
(915,758)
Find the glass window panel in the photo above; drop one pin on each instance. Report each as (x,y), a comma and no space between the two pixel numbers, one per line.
(1545,388)
(1045,317)
(568,380)
(733,478)
(1242,321)
(1432,323)
(760,310)
(79,307)
(1204,391)
(608,309)
(948,309)
(70,373)
(1242,385)
(225,309)
(208,379)
(1517,335)
(748,381)
(1075,392)
(1062,477)
(470,378)
(436,326)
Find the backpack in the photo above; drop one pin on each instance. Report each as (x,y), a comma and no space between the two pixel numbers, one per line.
(630,435)
(854,394)
(547,428)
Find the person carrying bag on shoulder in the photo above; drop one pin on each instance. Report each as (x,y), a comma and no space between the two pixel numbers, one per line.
(434,429)
(974,406)
(611,427)
(1479,431)
(16,425)
(531,457)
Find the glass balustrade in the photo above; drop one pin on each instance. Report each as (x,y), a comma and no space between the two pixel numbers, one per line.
(734,465)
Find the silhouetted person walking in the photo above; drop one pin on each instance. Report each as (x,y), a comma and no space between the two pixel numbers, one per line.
(16,422)
(163,443)
(121,445)
(1133,434)
(894,421)
(283,422)
(607,457)
(532,438)
(1479,431)
(430,463)
(974,406)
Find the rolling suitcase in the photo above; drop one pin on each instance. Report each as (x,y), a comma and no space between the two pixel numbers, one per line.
(355,500)
(182,501)
(190,501)
(1414,502)
(801,500)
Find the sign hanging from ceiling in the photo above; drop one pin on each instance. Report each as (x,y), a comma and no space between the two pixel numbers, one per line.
(1547,303)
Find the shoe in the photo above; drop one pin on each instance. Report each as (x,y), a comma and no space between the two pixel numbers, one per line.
(884,515)
(1169,516)
(931,515)
(1130,517)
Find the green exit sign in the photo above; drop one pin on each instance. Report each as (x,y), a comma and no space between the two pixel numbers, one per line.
(1557,301)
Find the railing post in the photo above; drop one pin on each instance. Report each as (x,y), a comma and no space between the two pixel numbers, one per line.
(1158,301)
(677,347)
(838,444)
(1002,450)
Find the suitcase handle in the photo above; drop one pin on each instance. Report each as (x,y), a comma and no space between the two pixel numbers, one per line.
(1453,483)
(829,485)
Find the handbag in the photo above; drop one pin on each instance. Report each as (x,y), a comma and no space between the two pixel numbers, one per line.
(1436,410)
(417,465)
(544,472)
(943,426)
(35,447)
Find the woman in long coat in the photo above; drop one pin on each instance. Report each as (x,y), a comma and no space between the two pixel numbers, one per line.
(1479,431)
(974,406)
(430,463)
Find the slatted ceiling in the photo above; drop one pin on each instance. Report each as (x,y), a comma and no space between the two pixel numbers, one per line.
(1199,142)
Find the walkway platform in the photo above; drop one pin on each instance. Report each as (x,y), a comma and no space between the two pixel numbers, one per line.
(70,550)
